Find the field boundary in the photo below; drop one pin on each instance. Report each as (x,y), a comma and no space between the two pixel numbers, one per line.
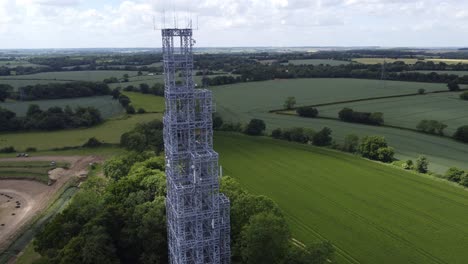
(365,99)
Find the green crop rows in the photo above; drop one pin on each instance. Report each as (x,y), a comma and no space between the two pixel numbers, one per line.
(373,213)
(408,111)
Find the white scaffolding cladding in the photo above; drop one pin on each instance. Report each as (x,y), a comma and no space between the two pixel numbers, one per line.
(197,214)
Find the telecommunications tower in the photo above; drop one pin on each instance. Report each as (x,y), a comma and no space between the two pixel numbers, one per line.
(197,214)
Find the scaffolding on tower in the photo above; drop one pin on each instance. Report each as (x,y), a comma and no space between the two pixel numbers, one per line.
(197,213)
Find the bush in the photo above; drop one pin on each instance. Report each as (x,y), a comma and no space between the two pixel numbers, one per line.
(385,154)
(349,115)
(10,149)
(255,127)
(31,149)
(141,111)
(290,102)
(323,137)
(454,174)
(307,111)
(462,134)
(217,121)
(370,145)
(408,165)
(421,91)
(130,110)
(351,143)
(92,143)
(277,133)
(235,127)
(464,180)
(422,164)
(453,86)
(464,96)
(431,127)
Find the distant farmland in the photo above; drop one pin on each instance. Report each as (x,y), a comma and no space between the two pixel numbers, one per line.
(242,102)
(108,132)
(106,105)
(406,60)
(317,62)
(372,213)
(66,76)
(409,111)
(149,102)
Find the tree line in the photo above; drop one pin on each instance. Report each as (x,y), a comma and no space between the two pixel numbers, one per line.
(54,91)
(53,118)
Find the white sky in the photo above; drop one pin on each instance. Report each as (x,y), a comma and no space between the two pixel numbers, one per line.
(224,23)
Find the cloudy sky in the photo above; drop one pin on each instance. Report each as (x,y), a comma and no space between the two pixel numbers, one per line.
(129,23)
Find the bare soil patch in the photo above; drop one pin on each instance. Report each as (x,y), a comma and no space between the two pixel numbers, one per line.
(22,200)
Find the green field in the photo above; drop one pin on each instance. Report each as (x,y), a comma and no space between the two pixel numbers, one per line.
(108,132)
(317,62)
(372,213)
(406,60)
(33,170)
(242,102)
(16,63)
(105,104)
(409,111)
(149,102)
(66,76)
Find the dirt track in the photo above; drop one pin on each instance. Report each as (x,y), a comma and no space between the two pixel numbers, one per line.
(32,196)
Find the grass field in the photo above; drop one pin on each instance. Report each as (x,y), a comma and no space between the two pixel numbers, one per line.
(317,62)
(409,111)
(105,104)
(149,102)
(373,213)
(16,63)
(406,60)
(242,102)
(108,132)
(34,170)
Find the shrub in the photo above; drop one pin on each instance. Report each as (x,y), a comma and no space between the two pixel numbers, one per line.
(431,127)
(422,164)
(453,86)
(464,96)
(290,102)
(349,115)
(31,149)
(421,91)
(217,121)
(462,134)
(408,165)
(323,137)
(370,145)
(351,143)
(10,149)
(276,133)
(92,143)
(464,180)
(386,154)
(130,110)
(307,111)
(141,111)
(454,174)
(255,127)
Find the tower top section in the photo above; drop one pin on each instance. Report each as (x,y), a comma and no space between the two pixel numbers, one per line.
(176,32)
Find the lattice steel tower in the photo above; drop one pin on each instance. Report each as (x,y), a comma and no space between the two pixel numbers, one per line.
(197,214)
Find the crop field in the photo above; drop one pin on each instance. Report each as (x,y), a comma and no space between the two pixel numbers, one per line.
(108,132)
(105,104)
(35,170)
(48,77)
(151,80)
(317,62)
(16,63)
(409,111)
(372,213)
(233,105)
(149,102)
(406,60)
